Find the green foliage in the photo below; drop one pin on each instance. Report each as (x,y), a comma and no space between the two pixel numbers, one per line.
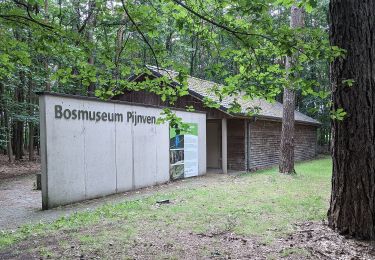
(338,114)
(174,121)
(251,41)
(348,82)
(239,44)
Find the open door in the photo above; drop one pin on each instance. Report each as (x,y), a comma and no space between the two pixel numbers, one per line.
(214,144)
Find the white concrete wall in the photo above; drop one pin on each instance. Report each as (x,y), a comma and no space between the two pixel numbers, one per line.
(83,159)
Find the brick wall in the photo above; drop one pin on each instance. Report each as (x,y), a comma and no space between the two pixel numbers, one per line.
(265,143)
(306,146)
(236,144)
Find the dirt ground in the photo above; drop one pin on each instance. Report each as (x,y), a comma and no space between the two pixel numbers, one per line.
(310,240)
(18,197)
(19,168)
(19,201)
(20,204)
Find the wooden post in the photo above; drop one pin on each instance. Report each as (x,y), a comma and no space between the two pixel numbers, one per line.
(246,129)
(224,146)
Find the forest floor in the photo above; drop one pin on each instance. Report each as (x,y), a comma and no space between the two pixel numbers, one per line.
(18,168)
(261,215)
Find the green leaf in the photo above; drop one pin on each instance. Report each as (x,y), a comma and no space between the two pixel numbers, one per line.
(348,82)
(338,114)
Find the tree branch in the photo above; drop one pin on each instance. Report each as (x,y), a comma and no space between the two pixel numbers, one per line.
(234,32)
(91,11)
(29,18)
(9,17)
(224,27)
(140,33)
(14,20)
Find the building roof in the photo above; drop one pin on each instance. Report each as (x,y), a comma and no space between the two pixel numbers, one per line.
(201,88)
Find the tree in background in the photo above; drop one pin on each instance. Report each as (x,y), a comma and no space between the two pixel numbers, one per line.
(78,47)
(352,209)
(286,164)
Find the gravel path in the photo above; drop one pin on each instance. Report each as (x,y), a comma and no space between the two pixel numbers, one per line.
(20,204)
(18,201)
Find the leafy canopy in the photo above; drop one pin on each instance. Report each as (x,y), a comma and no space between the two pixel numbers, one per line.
(247,43)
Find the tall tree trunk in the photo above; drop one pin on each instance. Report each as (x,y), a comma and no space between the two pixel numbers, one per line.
(46,65)
(90,39)
(352,209)
(31,124)
(119,48)
(169,43)
(31,141)
(18,140)
(9,137)
(19,125)
(193,54)
(286,164)
(3,125)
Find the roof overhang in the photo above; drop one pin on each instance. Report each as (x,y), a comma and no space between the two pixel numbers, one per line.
(222,108)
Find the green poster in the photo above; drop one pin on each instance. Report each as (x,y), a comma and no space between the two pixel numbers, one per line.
(183,147)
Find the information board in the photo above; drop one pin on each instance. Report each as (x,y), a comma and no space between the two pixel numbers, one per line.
(184,152)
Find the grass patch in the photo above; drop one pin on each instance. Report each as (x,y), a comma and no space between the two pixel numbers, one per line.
(264,204)
(301,252)
(43,251)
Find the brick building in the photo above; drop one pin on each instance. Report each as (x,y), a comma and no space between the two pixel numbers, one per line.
(236,142)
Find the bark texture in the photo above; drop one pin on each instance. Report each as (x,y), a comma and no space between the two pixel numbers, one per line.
(90,38)
(287,133)
(286,164)
(9,138)
(46,62)
(31,124)
(18,132)
(352,209)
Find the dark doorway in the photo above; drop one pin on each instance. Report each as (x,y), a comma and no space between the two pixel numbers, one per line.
(214,144)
